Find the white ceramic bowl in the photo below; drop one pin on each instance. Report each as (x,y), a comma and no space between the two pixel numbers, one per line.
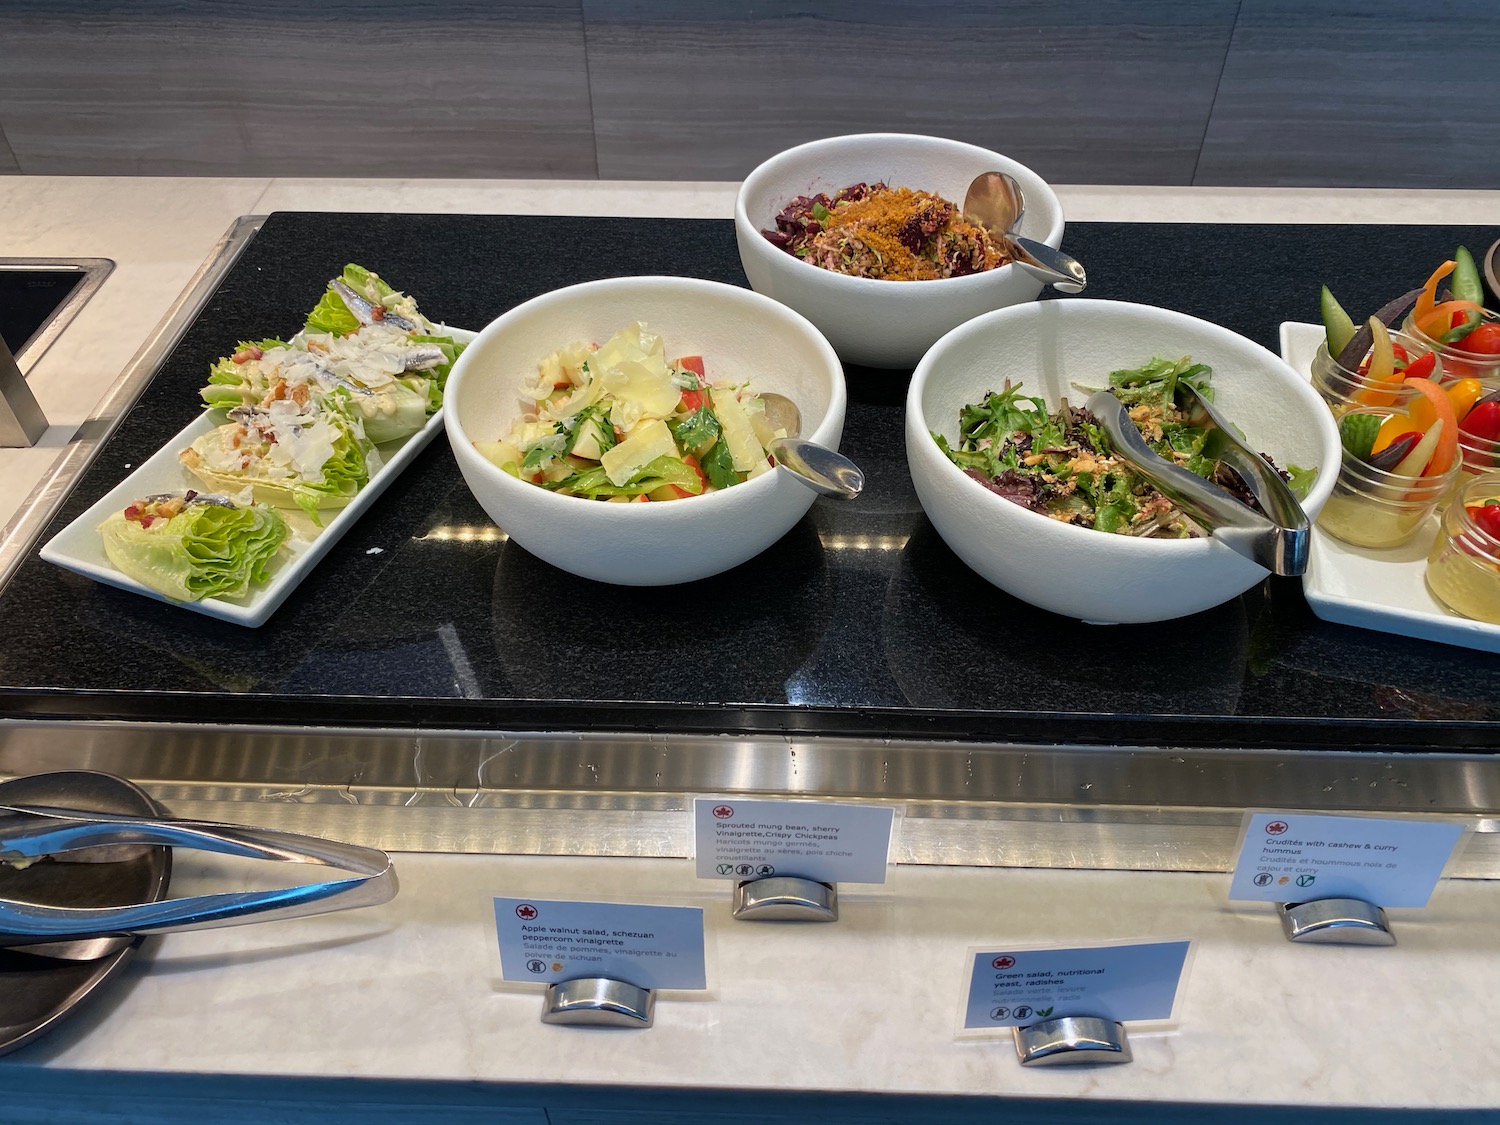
(740,334)
(883,323)
(1054,348)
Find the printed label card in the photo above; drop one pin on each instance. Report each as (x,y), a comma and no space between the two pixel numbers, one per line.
(1298,857)
(829,841)
(1121,982)
(546,941)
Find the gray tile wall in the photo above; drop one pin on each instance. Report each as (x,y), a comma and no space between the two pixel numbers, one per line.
(1352,92)
(8,165)
(1366,93)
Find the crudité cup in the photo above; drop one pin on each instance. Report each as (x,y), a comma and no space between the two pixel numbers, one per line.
(1463,569)
(1371,507)
(1458,362)
(1343,389)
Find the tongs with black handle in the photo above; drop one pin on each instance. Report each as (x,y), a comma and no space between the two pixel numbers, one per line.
(1277,540)
(29,833)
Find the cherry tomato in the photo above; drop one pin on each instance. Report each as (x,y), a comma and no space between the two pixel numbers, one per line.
(1483,421)
(1484,340)
(1486,517)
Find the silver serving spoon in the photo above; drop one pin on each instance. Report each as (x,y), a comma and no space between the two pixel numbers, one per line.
(995,200)
(822,469)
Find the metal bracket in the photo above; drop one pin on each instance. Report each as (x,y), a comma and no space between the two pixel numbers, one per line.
(786,898)
(599,1002)
(1336,921)
(22,422)
(1072,1040)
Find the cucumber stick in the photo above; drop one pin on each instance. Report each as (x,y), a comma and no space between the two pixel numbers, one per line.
(1465,284)
(1336,323)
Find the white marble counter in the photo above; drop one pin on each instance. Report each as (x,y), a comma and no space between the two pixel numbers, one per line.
(411,990)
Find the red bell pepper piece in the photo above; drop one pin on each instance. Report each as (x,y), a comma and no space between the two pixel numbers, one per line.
(1421,367)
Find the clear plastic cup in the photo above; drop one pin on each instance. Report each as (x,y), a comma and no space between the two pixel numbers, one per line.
(1463,569)
(1343,389)
(1480,456)
(1457,363)
(1370,507)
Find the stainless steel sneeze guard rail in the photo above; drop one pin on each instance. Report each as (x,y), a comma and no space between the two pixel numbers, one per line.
(1008,805)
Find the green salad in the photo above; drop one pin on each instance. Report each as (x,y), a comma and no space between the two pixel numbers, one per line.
(1060,462)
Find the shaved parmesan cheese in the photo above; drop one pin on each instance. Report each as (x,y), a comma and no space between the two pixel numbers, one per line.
(744,447)
(650,441)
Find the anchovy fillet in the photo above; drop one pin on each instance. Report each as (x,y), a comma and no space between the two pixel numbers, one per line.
(364,310)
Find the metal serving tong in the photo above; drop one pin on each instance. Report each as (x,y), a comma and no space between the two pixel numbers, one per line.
(29,832)
(1278,543)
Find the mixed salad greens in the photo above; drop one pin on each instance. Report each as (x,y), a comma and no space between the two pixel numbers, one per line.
(303,421)
(619,421)
(1060,463)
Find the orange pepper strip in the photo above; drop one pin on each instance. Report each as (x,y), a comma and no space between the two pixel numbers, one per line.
(1432,407)
(1440,319)
(1427,299)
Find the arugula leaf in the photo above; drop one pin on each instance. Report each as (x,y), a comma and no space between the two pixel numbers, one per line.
(1001,414)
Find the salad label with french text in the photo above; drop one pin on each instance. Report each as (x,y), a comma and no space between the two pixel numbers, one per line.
(547,940)
(1298,857)
(828,841)
(1127,981)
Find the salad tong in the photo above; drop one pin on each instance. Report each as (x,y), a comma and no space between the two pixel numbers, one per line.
(29,833)
(1277,540)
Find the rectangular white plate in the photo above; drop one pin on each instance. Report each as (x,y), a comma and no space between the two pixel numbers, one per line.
(1384,590)
(78,547)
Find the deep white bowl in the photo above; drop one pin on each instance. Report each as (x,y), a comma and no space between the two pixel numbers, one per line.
(1054,348)
(740,334)
(883,323)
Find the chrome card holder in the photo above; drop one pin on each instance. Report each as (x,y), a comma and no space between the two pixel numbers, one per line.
(599,1002)
(1072,1041)
(786,898)
(1335,921)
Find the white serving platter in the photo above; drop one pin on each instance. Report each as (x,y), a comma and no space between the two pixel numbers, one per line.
(78,547)
(1382,590)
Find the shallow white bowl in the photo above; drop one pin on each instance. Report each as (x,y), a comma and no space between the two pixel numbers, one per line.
(1054,349)
(741,335)
(883,323)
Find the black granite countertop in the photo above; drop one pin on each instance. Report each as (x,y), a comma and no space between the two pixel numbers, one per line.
(859,622)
